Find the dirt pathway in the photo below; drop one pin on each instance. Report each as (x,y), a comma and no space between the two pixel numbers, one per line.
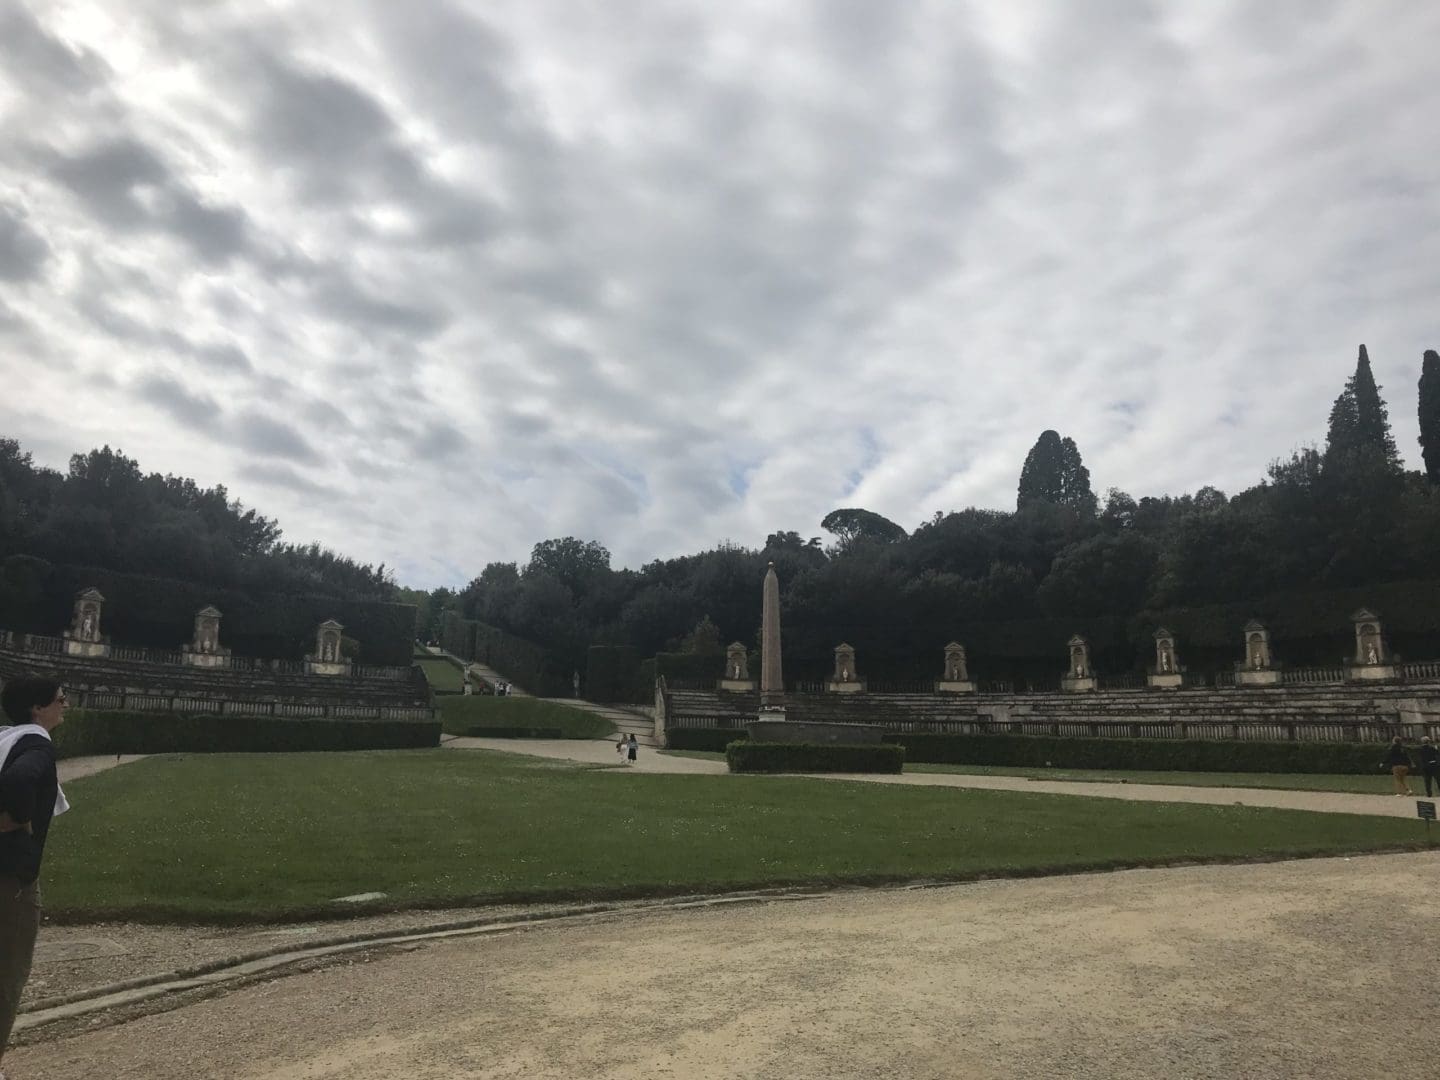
(1329,802)
(1278,970)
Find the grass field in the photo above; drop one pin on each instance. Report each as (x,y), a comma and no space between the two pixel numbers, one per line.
(478,714)
(1379,784)
(442,674)
(242,837)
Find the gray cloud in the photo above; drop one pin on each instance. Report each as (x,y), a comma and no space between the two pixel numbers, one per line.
(272,475)
(193,410)
(23,251)
(40,62)
(269,437)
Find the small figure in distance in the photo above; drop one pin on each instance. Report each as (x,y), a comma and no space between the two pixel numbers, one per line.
(634,748)
(622,747)
(1430,764)
(1398,762)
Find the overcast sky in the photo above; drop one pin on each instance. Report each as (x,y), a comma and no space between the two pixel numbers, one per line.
(432,281)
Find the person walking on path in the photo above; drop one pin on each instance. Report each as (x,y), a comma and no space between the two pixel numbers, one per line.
(1398,762)
(30,798)
(1430,764)
(633,754)
(621,746)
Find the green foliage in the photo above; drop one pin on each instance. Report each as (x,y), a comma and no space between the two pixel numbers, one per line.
(713,739)
(1180,755)
(1359,422)
(87,731)
(1054,473)
(522,662)
(443,674)
(755,757)
(484,716)
(689,667)
(1429,410)
(853,524)
(704,640)
(612,674)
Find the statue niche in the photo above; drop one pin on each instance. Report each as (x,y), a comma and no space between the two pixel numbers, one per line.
(1167,673)
(1079,678)
(737,670)
(1259,667)
(1373,661)
(956,679)
(204,648)
(844,680)
(327,658)
(83,638)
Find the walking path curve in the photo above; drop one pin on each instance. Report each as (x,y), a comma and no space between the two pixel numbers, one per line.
(1325,802)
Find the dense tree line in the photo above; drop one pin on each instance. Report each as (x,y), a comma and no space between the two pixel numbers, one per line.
(1342,516)
(105,512)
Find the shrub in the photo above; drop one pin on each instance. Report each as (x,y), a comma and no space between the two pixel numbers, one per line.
(612,673)
(746,756)
(87,731)
(1177,755)
(690,667)
(713,739)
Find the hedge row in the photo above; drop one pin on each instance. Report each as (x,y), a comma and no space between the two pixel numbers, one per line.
(612,673)
(520,661)
(159,613)
(1170,755)
(88,731)
(753,757)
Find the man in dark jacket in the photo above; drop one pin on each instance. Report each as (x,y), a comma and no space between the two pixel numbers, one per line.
(1430,764)
(1398,762)
(29,792)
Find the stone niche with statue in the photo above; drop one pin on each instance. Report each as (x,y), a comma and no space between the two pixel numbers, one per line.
(1167,674)
(956,679)
(737,670)
(1079,677)
(204,649)
(83,637)
(1259,667)
(845,680)
(327,658)
(1373,660)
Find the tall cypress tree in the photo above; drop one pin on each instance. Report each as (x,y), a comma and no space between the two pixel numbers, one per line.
(1359,421)
(1054,472)
(1430,414)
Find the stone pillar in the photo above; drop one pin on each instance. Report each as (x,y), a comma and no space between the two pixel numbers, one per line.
(204,649)
(1166,674)
(737,670)
(84,637)
(1373,661)
(844,679)
(1079,677)
(1259,667)
(956,679)
(327,659)
(772,682)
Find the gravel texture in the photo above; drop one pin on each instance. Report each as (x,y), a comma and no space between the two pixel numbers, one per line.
(1320,968)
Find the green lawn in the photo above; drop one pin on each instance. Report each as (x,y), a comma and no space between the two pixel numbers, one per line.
(443,675)
(1379,784)
(479,714)
(237,837)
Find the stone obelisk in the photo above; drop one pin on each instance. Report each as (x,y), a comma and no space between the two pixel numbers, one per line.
(772,684)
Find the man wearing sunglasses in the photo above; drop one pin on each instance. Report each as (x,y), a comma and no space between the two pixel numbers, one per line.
(30,797)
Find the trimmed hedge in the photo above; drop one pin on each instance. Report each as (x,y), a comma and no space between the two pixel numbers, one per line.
(1176,755)
(753,757)
(87,731)
(159,613)
(612,673)
(690,667)
(518,660)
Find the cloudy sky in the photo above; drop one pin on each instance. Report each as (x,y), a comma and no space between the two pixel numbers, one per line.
(432,281)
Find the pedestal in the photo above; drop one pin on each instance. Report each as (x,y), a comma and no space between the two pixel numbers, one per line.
(1251,677)
(91,649)
(954,686)
(1170,680)
(849,686)
(1371,673)
(205,660)
(1078,684)
(326,667)
(739,686)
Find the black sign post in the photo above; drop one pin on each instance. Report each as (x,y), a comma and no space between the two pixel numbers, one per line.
(1426,811)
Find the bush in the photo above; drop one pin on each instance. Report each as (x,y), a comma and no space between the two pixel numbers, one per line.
(690,667)
(746,756)
(1175,755)
(713,739)
(612,673)
(87,731)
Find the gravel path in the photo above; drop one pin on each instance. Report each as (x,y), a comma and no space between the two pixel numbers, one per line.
(1302,969)
(1332,802)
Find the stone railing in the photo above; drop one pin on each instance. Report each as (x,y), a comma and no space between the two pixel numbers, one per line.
(1421,669)
(1311,675)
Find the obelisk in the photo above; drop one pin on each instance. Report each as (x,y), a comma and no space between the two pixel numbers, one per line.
(772,684)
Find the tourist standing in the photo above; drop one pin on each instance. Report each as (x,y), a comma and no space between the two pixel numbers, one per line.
(1430,764)
(633,749)
(1398,762)
(622,747)
(30,797)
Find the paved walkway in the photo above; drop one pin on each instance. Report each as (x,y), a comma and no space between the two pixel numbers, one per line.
(1327,802)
